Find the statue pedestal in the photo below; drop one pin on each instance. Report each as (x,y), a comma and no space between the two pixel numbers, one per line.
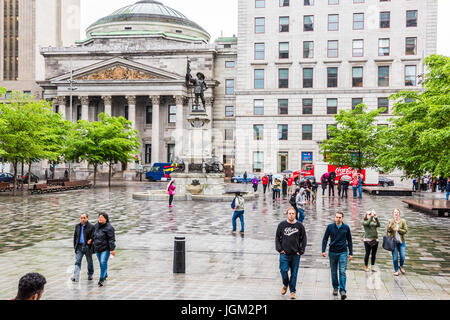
(210,183)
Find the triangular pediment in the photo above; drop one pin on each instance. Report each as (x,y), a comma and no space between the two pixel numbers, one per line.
(119,69)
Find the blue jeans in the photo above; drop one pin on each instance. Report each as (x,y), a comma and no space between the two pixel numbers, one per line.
(103,260)
(289,262)
(240,215)
(360,191)
(79,253)
(399,250)
(354,191)
(301,215)
(338,260)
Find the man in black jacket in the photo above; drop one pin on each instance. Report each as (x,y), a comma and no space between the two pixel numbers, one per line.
(290,242)
(82,243)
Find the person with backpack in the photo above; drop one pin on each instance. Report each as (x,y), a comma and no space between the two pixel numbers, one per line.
(290,242)
(300,202)
(238,206)
(293,203)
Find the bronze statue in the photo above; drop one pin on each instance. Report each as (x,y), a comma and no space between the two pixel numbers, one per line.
(200,86)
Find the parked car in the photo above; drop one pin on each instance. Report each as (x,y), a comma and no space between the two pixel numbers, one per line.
(303,179)
(6,177)
(383,181)
(160,171)
(34,178)
(240,178)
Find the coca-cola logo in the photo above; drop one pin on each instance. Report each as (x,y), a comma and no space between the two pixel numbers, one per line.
(344,171)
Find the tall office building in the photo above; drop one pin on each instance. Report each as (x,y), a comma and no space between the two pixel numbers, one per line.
(28,25)
(300,62)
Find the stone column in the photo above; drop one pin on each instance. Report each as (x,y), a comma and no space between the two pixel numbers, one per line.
(84,108)
(207,137)
(155,128)
(61,102)
(107,100)
(179,100)
(132,110)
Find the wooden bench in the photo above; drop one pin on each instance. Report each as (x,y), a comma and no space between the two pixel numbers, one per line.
(56,182)
(80,184)
(44,188)
(437,207)
(5,186)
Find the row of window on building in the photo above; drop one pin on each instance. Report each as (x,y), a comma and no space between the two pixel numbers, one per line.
(283,130)
(333,22)
(383,80)
(287,3)
(284,52)
(307,106)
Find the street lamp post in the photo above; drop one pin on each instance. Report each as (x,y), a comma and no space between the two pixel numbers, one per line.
(71,89)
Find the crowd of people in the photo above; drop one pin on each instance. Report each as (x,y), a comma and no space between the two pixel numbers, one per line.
(291,239)
(290,236)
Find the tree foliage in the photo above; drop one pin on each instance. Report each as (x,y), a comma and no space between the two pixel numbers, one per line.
(418,140)
(353,141)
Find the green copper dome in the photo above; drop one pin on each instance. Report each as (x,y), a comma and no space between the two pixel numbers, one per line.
(150,13)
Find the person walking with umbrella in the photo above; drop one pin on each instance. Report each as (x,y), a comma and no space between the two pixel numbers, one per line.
(171,190)
(345,181)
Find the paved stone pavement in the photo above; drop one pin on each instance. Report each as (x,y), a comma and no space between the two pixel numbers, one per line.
(36,236)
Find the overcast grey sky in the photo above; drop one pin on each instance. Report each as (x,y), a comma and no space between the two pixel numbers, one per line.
(220,16)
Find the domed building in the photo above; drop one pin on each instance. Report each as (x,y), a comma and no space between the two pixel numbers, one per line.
(133,63)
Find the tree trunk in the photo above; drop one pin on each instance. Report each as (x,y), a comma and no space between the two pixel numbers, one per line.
(15,177)
(95,174)
(29,175)
(22,174)
(109,176)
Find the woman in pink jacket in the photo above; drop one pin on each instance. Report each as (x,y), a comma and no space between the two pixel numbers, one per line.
(171,189)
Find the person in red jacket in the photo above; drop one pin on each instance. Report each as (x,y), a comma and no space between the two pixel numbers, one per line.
(290,184)
(265,182)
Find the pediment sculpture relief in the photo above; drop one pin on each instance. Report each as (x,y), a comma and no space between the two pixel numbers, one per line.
(119,73)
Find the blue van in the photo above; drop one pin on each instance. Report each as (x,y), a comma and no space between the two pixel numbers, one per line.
(160,171)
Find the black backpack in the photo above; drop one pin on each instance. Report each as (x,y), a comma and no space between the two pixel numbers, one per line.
(292,200)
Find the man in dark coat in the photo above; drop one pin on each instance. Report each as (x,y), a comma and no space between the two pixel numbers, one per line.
(331,181)
(82,243)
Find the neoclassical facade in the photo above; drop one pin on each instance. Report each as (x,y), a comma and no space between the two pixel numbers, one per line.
(133,64)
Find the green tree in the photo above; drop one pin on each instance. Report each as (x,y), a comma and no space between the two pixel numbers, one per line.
(418,139)
(120,142)
(29,130)
(84,144)
(354,140)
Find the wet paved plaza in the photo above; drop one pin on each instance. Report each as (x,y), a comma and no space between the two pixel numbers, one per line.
(36,235)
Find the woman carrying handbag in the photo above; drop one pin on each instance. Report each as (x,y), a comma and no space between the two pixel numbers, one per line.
(397,229)
(370,225)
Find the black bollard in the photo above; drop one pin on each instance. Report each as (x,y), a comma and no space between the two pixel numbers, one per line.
(179,257)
